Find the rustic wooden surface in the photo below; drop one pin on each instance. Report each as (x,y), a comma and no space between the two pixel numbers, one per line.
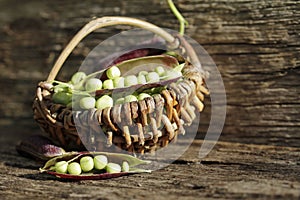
(231,171)
(255,45)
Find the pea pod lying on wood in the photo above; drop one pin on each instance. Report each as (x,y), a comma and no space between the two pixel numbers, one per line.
(93,165)
(39,148)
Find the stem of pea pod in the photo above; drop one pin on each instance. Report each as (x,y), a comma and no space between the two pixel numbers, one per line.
(180,18)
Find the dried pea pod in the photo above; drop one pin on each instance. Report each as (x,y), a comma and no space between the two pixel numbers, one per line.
(39,147)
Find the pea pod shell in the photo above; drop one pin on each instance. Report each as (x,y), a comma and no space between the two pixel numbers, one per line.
(91,176)
(134,66)
(113,157)
(39,147)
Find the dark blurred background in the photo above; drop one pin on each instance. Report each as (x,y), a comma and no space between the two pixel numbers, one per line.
(255,45)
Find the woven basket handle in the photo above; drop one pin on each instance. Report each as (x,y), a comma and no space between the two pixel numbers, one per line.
(104,22)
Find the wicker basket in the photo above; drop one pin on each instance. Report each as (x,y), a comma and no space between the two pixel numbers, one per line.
(173,108)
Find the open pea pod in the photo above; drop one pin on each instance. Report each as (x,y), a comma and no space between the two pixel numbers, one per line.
(148,63)
(94,174)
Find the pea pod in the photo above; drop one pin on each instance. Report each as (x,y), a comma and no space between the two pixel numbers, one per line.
(39,148)
(136,72)
(139,76)
(71,157)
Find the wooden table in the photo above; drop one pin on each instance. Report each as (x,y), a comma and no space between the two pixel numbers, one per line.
(230,171)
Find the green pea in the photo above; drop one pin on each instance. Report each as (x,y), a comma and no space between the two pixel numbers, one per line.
(113,72)
(141,79)
(74,168)
(160,70)
(62,98)
(130,80)
(108,84)
(100,162)
(152,77)
(143,73)
(130,98)
(118,82)
(143,96)
(86,163)
(77,77)
(93,84)
(61,167)
(113,168)
(76,100)
(125,166)
(120,101)
(104,102)
(87,102)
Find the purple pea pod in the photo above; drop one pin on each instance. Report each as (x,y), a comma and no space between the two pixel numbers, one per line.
(95,174)
(39,148)
(153,46)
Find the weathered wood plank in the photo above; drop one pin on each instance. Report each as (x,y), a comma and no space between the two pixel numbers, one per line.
(233,171)
(255,45)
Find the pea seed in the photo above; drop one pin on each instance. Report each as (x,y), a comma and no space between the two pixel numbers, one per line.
(108,84)
(61,167)
(130,98)
(93,84)
(160,70)
(143,96)
(100,162)
(141,79)
(62,98)
(143,73)
(77,77)
(74,168)
(113,72)
(86,163)
(87,103)
(125,166)
(120,101)
(130,80)
(104,102)
(76,101)
(152,77)
(118,82)
(113,168)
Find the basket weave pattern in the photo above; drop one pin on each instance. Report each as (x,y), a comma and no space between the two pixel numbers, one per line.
(139,126)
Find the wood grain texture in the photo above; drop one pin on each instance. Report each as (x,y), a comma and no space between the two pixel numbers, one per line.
(255,45)
(231,171)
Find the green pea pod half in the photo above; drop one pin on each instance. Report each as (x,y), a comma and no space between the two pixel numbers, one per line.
(95,174)
(148,63)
